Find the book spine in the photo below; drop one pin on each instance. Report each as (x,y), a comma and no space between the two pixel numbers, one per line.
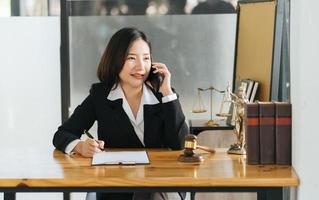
(253,93)
(283,133)
(267,132)
(252,133)
(249,88)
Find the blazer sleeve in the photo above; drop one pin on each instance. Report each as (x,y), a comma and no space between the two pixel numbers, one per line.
(175,128)
(82,119)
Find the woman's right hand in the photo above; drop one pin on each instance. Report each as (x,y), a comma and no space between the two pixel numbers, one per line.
(89,147)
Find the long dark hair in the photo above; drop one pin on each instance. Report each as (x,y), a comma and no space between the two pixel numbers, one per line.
(114,56)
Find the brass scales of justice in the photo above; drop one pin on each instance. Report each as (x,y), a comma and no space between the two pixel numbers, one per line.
(200,108)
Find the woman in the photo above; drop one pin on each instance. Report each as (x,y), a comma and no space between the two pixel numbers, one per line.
(134,104)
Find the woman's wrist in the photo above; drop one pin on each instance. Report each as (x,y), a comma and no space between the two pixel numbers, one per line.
(167,91)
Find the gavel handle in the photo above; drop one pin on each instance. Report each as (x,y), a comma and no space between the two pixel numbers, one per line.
(206,149)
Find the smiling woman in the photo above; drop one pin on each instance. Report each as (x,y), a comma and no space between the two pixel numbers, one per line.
(130,112)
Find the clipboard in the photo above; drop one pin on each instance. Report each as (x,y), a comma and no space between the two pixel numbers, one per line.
(120,158)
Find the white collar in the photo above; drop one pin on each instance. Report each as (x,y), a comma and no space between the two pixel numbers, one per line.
(148,96)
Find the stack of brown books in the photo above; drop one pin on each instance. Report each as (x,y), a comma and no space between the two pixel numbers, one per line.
(268,133)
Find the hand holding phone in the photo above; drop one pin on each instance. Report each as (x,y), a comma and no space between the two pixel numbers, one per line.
(160,78)
(155,79)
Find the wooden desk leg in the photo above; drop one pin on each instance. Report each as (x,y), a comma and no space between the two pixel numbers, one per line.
(9,196)
(66,196)
(271,194)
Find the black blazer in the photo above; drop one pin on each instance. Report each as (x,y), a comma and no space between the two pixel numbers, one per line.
(164,123)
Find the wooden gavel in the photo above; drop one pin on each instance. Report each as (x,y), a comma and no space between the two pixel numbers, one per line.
(189,150)
(191,145)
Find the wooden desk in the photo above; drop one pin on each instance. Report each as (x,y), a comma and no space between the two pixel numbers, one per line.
(197,126)
(39,170)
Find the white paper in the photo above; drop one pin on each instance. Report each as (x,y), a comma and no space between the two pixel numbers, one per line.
(120,158)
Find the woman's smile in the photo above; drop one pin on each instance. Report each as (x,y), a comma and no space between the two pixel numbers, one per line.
(138,76)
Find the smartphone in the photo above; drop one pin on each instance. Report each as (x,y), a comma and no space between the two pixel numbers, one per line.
(155,79)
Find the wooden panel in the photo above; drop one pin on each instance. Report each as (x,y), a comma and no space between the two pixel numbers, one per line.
(255,44)
(51,168)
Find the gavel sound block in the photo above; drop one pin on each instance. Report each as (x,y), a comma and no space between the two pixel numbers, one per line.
(189,151)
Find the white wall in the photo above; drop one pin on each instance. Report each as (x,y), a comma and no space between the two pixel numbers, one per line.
(305,95)
(30,105)
(30,79)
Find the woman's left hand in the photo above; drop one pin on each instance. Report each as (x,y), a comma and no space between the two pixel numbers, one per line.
(165,86)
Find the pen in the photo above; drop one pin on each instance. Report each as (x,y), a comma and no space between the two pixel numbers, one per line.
(91,136)
(88,134)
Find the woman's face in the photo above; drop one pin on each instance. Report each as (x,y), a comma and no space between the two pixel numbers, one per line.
(137,64)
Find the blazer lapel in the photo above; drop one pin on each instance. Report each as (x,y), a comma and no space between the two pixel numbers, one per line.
(121,127)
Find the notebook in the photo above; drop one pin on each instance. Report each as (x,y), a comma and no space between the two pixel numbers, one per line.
(120,158)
